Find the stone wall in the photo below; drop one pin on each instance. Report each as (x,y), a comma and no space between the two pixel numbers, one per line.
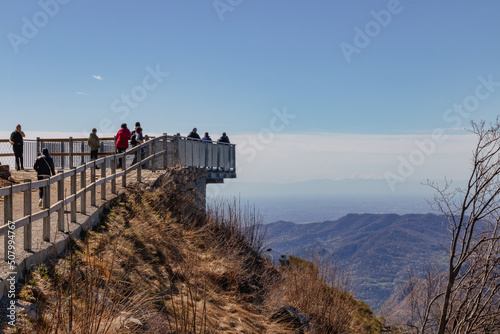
(187,181)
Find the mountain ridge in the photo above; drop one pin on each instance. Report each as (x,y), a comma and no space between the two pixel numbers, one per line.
(377,249)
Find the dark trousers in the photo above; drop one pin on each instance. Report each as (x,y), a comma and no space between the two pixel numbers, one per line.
(121,150)
(40,190)
(143,154)
(18,154)
(93,154)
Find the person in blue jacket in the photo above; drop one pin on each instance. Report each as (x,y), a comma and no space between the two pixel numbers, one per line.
(207,138)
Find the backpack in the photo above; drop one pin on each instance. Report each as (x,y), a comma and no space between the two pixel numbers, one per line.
(133,138)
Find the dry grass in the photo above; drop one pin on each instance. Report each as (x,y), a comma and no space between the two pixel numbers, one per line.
(158,263)
(319,289)
(155,264)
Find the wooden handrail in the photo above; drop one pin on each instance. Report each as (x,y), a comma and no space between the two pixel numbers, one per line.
(65,140)
(155,150)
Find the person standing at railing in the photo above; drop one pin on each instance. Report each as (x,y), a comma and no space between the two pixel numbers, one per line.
(122,137)
(193,134)
(94,145)
(137,139)
(207,138)
(44,167)
(16,140)
(224,138)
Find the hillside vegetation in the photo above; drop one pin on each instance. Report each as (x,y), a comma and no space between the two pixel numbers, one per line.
(158,264)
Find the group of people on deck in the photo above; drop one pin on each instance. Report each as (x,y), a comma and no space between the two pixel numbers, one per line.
(194,135)
(124,135)
(44,164)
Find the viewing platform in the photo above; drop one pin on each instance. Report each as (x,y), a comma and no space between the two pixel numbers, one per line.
(76,196)
(219,159)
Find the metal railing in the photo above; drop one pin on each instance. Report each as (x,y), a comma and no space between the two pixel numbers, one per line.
(70,152)
(7,154)
(214,156)
(156,153)
(66,152)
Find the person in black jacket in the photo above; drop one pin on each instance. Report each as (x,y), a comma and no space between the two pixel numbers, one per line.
(44,167)
(224,138)
(16,140)
(193,134)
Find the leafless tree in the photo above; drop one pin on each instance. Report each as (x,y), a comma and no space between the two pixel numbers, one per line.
(420,295)
(468,300)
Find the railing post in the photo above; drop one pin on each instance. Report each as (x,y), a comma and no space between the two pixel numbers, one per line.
(82,150)
(113,172)
(165,157)
(147,150)
(177,160)
(8,216)
(27,212)
(124,168)
(62,156)
(232,159)
(103,176)
(219,148)
(46,206)
(60,197)
(206,154)
(92,180)
(193,147)
(70,152)
(139,161)
(153,153)
(83,185)
(73,193)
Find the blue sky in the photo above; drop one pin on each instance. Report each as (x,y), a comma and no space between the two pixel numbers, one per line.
(232,64)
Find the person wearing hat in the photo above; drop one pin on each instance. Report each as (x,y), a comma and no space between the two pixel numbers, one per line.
(136,137)
(44,167)
(193,134)
(16,140)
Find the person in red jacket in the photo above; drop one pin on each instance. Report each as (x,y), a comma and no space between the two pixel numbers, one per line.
(122,137)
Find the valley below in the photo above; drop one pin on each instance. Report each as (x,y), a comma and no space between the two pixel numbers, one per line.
(377,251)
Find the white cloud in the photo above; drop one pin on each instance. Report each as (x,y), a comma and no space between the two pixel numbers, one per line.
(302,157)
(98,77)
(285,158)
(81,93)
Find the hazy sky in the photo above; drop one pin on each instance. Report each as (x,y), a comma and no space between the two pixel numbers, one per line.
(353,88)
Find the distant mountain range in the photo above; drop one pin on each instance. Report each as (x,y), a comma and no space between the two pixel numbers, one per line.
(352,186)
(376,249)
